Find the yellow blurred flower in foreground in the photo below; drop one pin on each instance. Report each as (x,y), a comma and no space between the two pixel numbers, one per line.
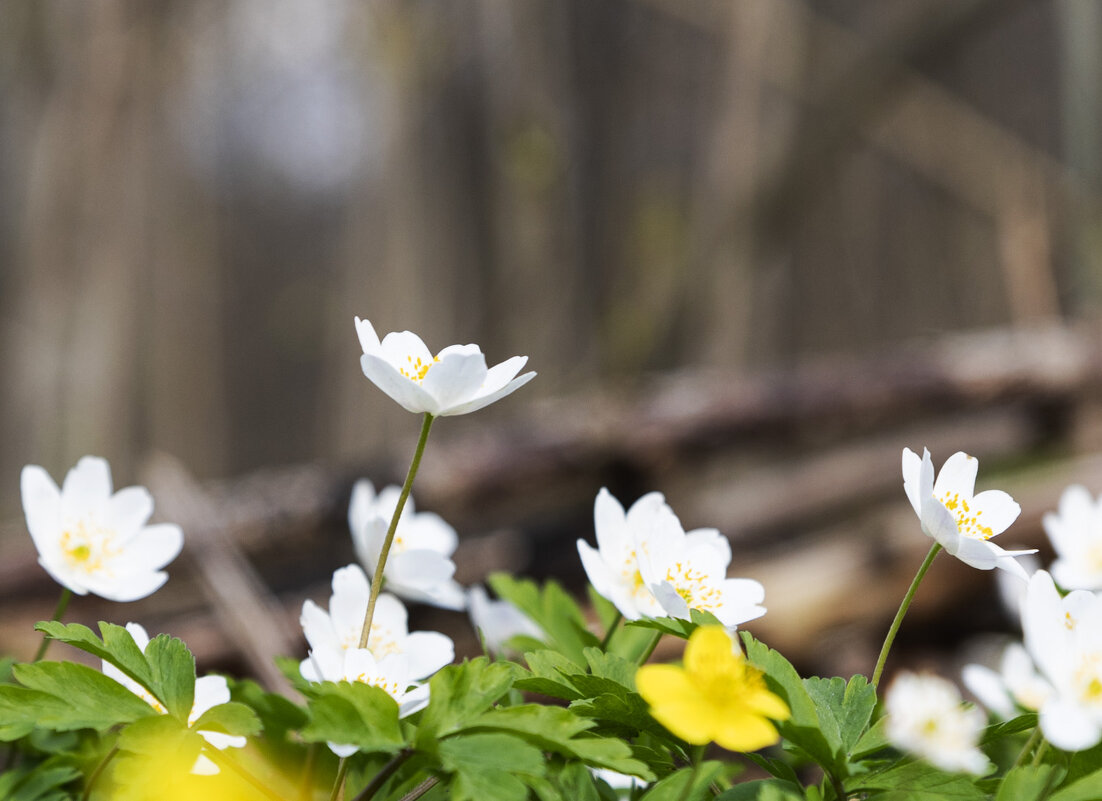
(716,696)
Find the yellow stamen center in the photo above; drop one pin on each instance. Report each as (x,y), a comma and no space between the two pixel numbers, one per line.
(418,368)
(693,586)
(968,522)
(88,547)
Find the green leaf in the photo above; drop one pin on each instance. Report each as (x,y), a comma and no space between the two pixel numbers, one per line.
(1088,788)
(552,609)
(675,625)
(172,668)
(775,767)
(229,718)
(1029,783)
(764,790)
(610,666)
(39,783)
(1006,728)
(71,696)
(683,785)
(5,669)
(116,647)
(804,728)
(354,713)
(485,766)
(547,675)
(576,783)
(458,693)
(160,735)
(556,729)
(277,714)
(916,781)
(843,709)
(873,740)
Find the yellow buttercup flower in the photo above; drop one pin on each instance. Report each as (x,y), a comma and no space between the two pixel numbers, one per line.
(716,696)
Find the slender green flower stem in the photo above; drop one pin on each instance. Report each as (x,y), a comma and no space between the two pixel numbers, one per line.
(611,630)
(388,770)
(62,605)
(96,773)
(903,607)
(377,581)
(1040,752)
(643,657)
(1030,744)
(338,783)
(306,790)
(421,789)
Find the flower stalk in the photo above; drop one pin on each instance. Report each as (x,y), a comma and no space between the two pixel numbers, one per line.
(59,610)
(899,615)
(377,580)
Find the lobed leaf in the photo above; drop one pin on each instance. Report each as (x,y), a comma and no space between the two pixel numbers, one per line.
(354,713)
(915,781)
(1029,783)
(172,670)
(69,696)
(484,766)
(116,647)
(229,718)
(552,609)
(457,693)
(686,784)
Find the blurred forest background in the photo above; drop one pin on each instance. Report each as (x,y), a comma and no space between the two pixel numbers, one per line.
(752,248)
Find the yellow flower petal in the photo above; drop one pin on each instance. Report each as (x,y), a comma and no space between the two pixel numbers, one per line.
(745,732)
(693,720)
(660,684)
(710,652)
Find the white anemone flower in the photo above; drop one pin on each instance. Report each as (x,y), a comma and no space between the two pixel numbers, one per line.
(419,565)
(648,566)
(1016,685)
(952,514)
(925,717)
(210,691)
(1075,532)
(454,381)
(339,629)
(390,673)
(90,540)
(497,622)
(1064,637)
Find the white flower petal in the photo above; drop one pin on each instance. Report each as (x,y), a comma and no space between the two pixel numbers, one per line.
(153,548)
(980,554)
(483,400)
(42,507)
(348,603)
(210,691)
(989,688)
(134,588)
(318,628)
(87,486)
(129,509)
(406,393)
(998,509)
(427,652)
(912,471)
(1068,727)
(609,524)
(403,348)
(957,475)
(369,340)
(455,379)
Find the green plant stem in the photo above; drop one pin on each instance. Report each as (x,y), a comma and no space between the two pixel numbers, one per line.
(421,789)
(96,773)
(59,610)
(836,783)
(1040,752)
(1028,747)
(611,630)
(377,581)
(696,756)
(903,607)
(225,761)
(388,770)
(338,783)
(643,657)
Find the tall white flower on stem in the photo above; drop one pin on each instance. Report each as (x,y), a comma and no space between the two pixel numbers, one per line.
(1075,532)
(339,629)
(419,565)
(92,540)
(952,514)
(210,691)
(1064,637)
(925,717)
(648,566)
(454,381)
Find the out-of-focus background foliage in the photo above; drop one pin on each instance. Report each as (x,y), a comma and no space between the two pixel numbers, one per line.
(752,247)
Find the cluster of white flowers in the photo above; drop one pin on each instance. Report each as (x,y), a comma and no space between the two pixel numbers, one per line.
(647,565)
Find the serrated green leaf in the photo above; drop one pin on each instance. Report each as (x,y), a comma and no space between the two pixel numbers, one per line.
(1029,783)
(458,693)
(686,784)
(622,713)
(83,698)
(485,766)
(277,714)
(775,767)
(873,740)
(765,790)
(611,666)
(844,709)
(547,675)
(916,781)
(675,625)
(803,728)
(116,647)
(354,713)
(172,669)
(230,718)
(552,609)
